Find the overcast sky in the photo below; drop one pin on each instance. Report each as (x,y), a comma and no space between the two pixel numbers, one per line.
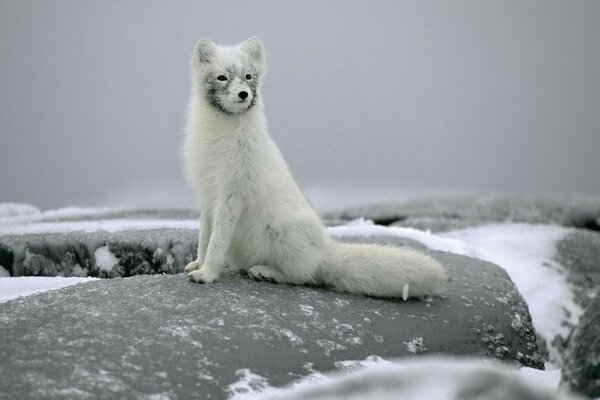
(495,96)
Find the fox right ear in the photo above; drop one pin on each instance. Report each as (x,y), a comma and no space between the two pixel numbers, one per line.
(204,51)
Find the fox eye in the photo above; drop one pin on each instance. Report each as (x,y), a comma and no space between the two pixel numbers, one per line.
(248,76)
(222,77)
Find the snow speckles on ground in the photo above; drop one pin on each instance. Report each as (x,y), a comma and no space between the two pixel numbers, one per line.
(11,288)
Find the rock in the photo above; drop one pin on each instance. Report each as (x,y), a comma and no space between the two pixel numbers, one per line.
(67,242)
(444,214)
(425,379)
(579,253)
(161,335)
(581,371)
(147,251)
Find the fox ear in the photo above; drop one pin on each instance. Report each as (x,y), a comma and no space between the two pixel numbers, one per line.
(204,51)
(254,48)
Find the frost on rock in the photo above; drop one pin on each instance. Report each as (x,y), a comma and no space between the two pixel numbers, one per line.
(154,335)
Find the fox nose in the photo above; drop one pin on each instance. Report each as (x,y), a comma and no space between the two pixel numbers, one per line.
(243,94)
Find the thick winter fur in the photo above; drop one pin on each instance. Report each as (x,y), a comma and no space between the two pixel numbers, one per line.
(253,215)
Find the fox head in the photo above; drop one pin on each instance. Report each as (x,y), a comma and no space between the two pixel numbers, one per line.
(229,77)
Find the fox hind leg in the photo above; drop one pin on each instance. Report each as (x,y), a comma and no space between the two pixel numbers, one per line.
(267,273)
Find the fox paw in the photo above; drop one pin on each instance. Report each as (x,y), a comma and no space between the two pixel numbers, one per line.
(202,276)
(194,265)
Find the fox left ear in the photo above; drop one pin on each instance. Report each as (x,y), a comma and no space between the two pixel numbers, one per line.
(254,48)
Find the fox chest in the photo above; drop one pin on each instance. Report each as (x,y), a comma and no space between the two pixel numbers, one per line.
(225,169)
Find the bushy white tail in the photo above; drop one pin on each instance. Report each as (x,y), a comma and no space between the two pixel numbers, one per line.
(381,271)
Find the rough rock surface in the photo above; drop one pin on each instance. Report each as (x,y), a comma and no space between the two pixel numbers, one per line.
(579,254)
(581,371)
(75,253)
(153,335)
(443,214)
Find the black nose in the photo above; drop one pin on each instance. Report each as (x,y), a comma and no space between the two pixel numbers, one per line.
(243,95)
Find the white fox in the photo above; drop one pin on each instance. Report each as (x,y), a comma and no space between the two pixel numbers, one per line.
(253,215)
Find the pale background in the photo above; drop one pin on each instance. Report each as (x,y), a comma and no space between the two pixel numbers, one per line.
(368,100)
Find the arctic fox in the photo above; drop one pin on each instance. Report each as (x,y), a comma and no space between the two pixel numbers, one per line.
(253,215)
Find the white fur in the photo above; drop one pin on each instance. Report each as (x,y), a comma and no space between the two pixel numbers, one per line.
(254,216)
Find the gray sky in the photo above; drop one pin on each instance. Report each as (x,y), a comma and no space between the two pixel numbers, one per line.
(499,96)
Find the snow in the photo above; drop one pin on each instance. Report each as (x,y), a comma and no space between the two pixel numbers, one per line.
(367,228)
(105,260)
(370,375)
(108,225)
(12,288)
(34,214)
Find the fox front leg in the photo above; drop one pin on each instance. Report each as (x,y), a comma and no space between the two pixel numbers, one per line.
(203,237)
(220,238)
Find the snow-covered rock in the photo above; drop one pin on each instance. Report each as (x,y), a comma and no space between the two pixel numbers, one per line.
(450,213)
(160,335)
(98,253)
(581,370)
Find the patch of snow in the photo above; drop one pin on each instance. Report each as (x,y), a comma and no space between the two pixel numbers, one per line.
(360,222)
(526,252)
(428,378)
(248,384)
(108,225)
(544,379)
(4,272)
(427,238)
(32,217)
(359,365)
(105,260)
(14,287)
